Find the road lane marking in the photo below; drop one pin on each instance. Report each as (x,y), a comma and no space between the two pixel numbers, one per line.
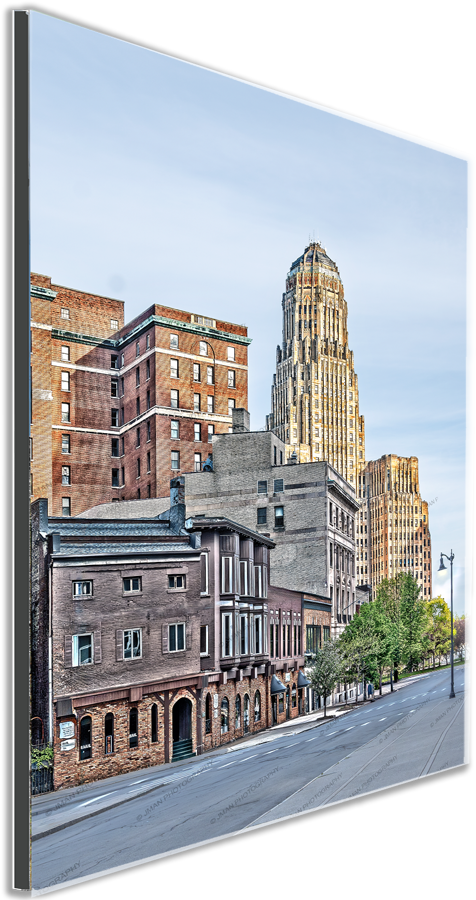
(364,723)
(383,720)
(227,764)
(247,757)
(348,729)
(101,797)
(271,751)
(309,739)
(331,732)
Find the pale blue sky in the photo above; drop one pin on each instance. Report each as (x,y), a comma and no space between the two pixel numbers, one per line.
(153,180)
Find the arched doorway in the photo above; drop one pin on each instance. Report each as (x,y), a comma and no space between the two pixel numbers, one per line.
(182,728)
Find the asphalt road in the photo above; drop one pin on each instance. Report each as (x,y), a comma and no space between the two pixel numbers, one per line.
(411,733)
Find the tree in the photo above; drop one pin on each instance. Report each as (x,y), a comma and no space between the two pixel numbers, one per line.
(389,593)
(359,648)
(413,623)
(439,627)
(459,635)
(326,670)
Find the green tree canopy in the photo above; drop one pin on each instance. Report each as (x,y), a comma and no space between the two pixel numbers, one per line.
(326,669)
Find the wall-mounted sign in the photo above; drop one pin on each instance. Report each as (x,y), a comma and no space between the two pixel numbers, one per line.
(287,676)
(215,700)
(68,745)
(66,729)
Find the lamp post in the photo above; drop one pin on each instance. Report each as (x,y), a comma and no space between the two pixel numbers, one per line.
(441,569)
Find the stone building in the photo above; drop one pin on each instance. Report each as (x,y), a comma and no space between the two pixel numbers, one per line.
(307,509)
(150,638)
(315,392)
(117,410)
(393,532)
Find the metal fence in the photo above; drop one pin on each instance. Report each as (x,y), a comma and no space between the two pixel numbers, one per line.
(41,771)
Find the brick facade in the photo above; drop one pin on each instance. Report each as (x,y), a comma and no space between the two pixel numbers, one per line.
(113,406)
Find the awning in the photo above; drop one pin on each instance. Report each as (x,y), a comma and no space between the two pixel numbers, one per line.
(302,680)
(277,687)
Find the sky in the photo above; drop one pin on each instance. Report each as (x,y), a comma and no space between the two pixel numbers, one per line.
(153,180)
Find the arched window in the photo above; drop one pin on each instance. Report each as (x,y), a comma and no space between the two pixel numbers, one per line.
(238,711)
(154,724)
(85,743)
(109,733)
(257,706)
(133,728)
(208,714)
(225,708)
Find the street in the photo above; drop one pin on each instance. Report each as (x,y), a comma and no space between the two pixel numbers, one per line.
(413,732)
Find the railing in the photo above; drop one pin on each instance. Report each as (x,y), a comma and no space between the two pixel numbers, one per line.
(208,726)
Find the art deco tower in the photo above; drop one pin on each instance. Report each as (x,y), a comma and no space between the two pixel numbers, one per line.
(315,393)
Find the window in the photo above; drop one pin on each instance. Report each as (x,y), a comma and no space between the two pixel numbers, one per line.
(138,468)
(227,574)
(313,638)
(174,430)
(244,635)
(114,418)
(147,342)
(65,412)
(257,706)
(238,712)
(231,378)
(65,354)
(122,359)
(148,430)
(203,348)
(197,462)
(133,728)
(137,348)
(66,506)
(114,387)
(64,313)
(122,387)
(123,477)
(203,640)
(196,402)
(230,354)
(279,516)
(147,370)
(175,461)
(82,649)
(225,709)
(65,443)
(82,588)
(138,436)
(132,643)
(109,733)
(258,635)
(174,370)
(231,406)
(154,730)
(211,432)
(244,578)
(148,464)
(65,475)
(85,745)
(262,487)
(210,375)
(327,631)
(204,573)
(210,404)
(177,637)
(114,324)
(148,400)
(114,362)
(138,376)
(261,519)
(278,485)
(197,431)
(138,406)
(132,585)
(174,341)
(226,634)
(196,371)
(177,582)
(174,399)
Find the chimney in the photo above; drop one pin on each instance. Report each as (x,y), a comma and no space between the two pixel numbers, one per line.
(240,420)
(177,503)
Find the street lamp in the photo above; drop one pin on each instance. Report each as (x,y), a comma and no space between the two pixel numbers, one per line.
(441,569)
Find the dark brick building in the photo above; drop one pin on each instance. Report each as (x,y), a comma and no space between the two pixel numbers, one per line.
(151,638)
(117,410)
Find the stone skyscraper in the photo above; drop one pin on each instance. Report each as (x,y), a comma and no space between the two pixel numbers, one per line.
(315,393)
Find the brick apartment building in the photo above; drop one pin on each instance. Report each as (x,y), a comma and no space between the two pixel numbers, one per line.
(117,410)
(307,509)
(152,640)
